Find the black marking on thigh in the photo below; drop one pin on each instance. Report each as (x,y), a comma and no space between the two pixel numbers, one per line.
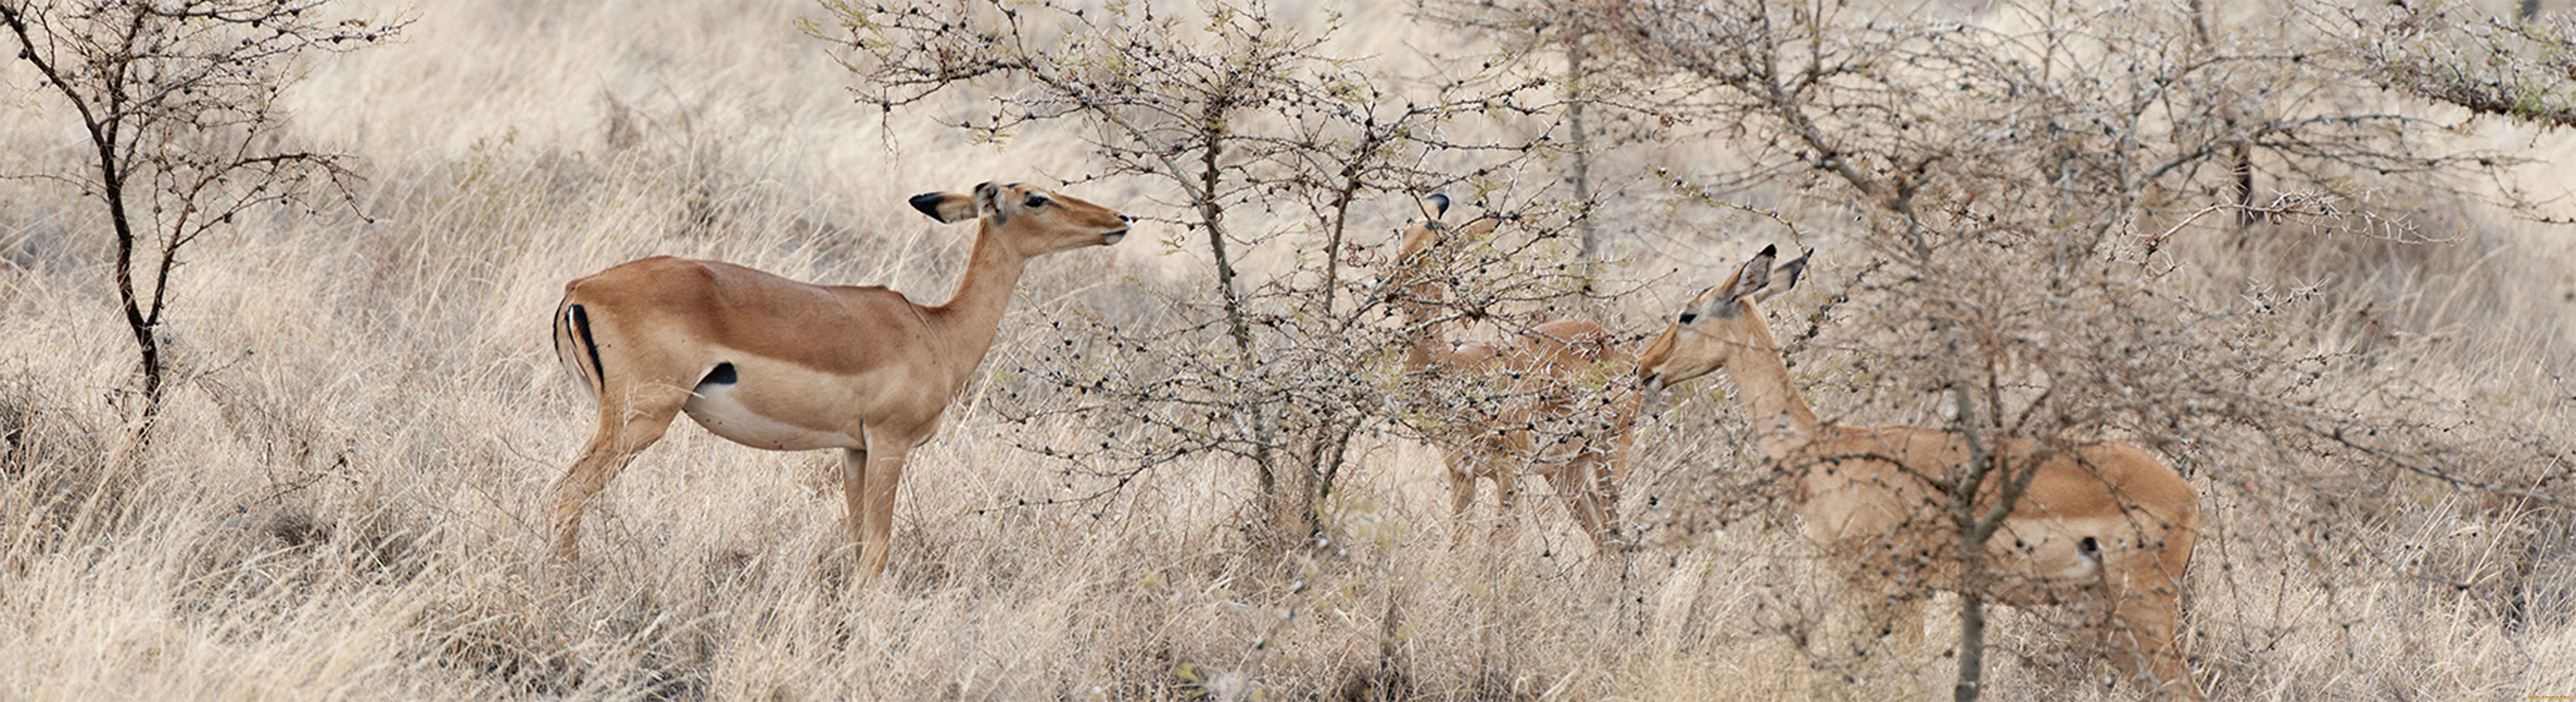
(722,375)
(581,331)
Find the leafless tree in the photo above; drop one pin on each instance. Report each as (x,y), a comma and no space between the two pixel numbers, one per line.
(2041,202)
(2522,69)
(1598,90)
(2018,182)
(1267,142)
(177,103)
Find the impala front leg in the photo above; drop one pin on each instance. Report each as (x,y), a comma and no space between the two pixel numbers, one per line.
(868,484)
(1866,607)
(854,480)
(1593,500)
(2142,637)
(1461,471)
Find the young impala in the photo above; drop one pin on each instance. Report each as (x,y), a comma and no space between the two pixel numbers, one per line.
(777,364)
(2102,526)
(1564,409)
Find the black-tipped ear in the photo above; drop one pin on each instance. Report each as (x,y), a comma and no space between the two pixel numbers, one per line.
(1787,275)
(1789,272)
(945,207)
(1755,274)
(1439,205)
(928,203)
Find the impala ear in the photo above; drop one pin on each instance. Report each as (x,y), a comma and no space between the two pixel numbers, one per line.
(988,202)
(1420,237)
(1754,275)
(945,207)
(1788,274)
(1439,205)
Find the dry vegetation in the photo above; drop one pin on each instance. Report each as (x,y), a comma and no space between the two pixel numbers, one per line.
(343,498)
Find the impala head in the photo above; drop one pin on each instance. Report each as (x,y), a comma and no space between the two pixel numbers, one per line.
(1718,323)
(1030,219)
(1410,262)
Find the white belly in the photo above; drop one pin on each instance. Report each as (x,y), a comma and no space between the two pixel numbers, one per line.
(718,408)
(2051,549)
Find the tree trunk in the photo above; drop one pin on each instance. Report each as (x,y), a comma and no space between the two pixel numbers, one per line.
(1582,143)
(1972,643)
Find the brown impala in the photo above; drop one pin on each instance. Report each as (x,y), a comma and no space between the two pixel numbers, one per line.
(1577,440)
(777,364)
(2102,526)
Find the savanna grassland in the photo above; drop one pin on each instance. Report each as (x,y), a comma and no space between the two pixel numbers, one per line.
(343,499)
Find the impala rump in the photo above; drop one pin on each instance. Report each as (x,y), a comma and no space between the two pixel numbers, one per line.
(572,331)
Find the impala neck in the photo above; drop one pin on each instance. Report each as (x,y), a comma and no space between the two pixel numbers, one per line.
(1781,420)
(965,324)
(1424,353)
(1429,345)
(1430,341)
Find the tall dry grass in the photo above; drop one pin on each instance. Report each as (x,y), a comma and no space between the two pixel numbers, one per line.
(343,501)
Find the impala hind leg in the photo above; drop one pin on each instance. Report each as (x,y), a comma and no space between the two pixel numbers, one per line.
(625,429)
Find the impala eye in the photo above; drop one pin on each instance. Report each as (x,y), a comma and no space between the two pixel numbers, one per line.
(1688,316)
(1036,201)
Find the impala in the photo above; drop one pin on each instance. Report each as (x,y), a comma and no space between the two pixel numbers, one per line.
(777,364)
(1564,411)
(2103,526)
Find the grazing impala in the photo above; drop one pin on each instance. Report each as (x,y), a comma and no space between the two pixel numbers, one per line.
(2103,526)
(1565,412)
(777,364)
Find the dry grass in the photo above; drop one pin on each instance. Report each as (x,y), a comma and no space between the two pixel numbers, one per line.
(343,501)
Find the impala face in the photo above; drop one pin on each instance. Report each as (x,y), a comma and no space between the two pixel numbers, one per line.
(1060,221)
(1717,323)
(1414,249)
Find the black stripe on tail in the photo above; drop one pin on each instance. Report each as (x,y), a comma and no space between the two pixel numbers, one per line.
(580,319)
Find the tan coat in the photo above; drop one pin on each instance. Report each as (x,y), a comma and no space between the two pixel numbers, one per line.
(2100,525)
(1568,409)
(778,364)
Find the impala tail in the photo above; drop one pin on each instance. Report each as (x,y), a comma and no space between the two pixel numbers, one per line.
(575,347)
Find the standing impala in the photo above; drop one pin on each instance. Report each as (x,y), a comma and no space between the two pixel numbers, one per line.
(2103,526)
(777,364)
(1564,411)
